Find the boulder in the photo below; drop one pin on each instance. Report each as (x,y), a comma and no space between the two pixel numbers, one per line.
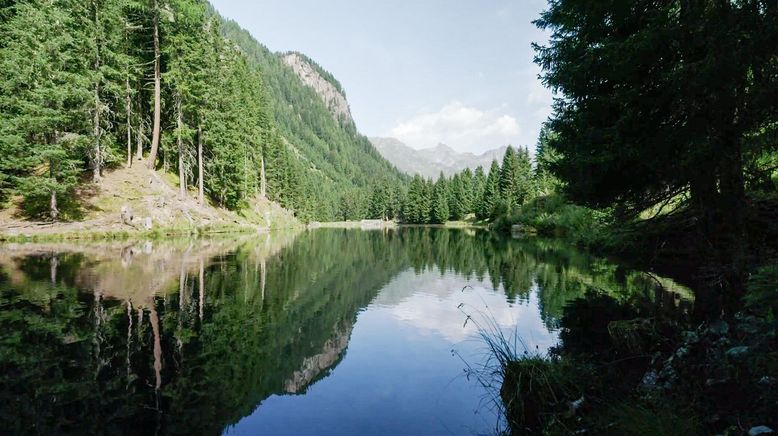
(127,215)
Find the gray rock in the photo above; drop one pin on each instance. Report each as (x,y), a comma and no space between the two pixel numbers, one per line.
(762,429)
(327,91)
(737,352)
(691,337)
(127,215)
(147,224)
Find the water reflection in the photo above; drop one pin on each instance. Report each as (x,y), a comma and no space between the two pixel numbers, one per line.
(192,336)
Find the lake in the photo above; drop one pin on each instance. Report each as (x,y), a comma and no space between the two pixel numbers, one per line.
(318,332)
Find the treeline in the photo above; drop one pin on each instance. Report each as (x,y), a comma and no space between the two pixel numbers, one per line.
(480,195)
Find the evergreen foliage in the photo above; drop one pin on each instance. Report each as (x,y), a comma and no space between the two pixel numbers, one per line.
(440,201)
(84,83)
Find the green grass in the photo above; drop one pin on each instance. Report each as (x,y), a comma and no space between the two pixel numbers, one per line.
(120,235)
(553,216)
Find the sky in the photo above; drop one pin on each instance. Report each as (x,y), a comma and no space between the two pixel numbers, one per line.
(458,72)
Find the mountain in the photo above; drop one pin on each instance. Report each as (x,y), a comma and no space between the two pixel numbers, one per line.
(311,113)
(429,162)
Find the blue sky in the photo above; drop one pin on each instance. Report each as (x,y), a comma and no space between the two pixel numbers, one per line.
(458,72)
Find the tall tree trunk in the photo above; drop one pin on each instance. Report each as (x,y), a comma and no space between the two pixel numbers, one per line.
(262,179)
(97,167)
(128,109)
(201,280)
(200,175)
(129,340)
(97,170)
(157,344)
(53,210)
(181,172)
(53,264)
(157,92)
(139,139)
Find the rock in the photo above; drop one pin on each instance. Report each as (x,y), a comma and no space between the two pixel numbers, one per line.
(691,337)
(762,429)
(719,328)
(767,381)
(649,382)
(127,215)
(332,97)
(737,352)
(147,224)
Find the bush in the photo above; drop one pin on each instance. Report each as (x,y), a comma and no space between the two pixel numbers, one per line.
(553,216)
(761,291)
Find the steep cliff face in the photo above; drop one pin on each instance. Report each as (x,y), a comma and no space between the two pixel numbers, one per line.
(329,92)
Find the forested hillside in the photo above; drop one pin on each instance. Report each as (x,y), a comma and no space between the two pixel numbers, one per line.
(87,87)
(344,164)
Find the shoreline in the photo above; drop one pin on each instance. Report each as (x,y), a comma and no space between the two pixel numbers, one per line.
(50,232)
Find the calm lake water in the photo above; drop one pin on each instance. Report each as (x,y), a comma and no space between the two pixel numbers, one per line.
(321,332)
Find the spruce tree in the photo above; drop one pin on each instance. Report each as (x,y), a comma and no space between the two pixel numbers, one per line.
(44,92)
(508,179)
(477,189)
(491,198)
(439,212)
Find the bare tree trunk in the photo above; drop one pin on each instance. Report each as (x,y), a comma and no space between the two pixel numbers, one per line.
(157,344)
(97,169)
(262,180)
(128,108)
(200,175)
(181,173)
(246,172)
(53,264)
(139,139)
(157,92)
(129,339)
(202,289)
(53,211)
(263,277)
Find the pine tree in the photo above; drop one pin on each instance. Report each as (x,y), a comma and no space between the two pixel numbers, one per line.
(545,157)
(477,189)
(508,182)
(455,206)
(491,198)
(465,192)
(418,202)
(523,178)
(44,90)
(439,213)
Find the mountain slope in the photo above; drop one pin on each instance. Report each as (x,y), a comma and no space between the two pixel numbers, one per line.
(311,113)
(430,162)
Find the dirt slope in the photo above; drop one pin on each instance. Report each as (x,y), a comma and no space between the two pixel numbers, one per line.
(147,194)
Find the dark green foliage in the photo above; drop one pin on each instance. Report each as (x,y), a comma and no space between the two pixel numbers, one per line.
(418,203)
(553,216)
(490,199)
(44,92)
(339,165)
(75,98)
(660,99)
(440,201)
(761,290)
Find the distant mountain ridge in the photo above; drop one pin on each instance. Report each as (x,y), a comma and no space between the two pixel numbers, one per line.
(429,162)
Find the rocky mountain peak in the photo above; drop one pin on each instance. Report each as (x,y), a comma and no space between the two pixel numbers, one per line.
(330,93)
(430,162)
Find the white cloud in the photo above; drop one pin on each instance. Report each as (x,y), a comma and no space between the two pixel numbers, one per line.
(462,127)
